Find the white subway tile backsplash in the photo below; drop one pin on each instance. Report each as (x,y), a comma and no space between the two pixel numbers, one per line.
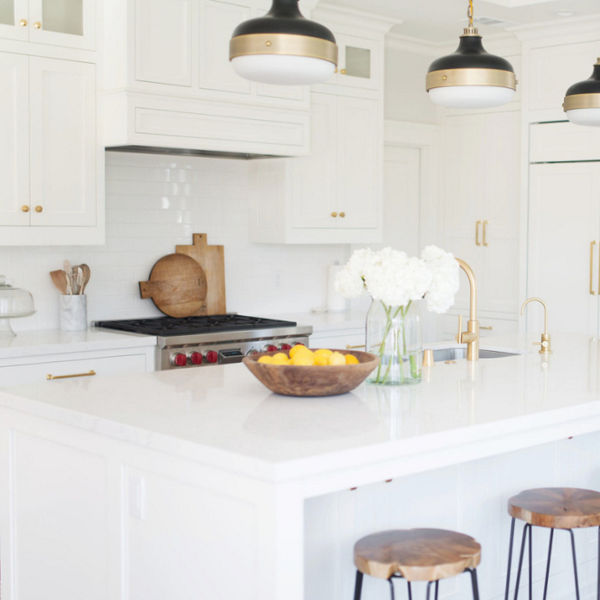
(153,203)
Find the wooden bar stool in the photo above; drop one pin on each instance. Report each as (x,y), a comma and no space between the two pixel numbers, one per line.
(552,508)
(416,555)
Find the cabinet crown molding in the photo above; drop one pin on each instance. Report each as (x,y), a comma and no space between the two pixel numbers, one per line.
(563,31)
(357,19)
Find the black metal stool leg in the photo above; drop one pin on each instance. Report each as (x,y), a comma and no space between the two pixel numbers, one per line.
(409,590)
(437,588)
(391,582)
(598,581)
(530,563)
(428,588)
(474,584)
(574,564)
(510,549)
(548,563)
(358,585)
(523,540)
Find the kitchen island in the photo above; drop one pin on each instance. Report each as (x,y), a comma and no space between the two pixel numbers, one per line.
(202,484)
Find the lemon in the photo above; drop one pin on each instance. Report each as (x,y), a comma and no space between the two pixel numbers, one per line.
(297,348)
(280,359)
(351,359)
(337,358)
(267,360)
(305,359)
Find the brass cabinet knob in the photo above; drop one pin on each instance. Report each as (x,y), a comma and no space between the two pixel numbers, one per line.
(37,25)
(25,208)
(334,214)
(343,71)
(342,214)
(39,209)
(23,22)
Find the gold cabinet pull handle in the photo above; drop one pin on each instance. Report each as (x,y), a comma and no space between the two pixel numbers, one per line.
(487,327)
(592,244)
(23,22)
(39,209)
(334,214)
(51,377)
(25,208)
(485,224)
(351,347)
(477,242)
(37,25)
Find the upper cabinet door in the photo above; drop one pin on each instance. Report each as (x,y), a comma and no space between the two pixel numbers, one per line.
(14,141)
(14,19)
(217,22)
(63,22)
(63,149)
(359,62)
(163,41)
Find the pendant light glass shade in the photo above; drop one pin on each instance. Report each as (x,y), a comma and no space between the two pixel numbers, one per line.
(283,47)
(471,77)
(582,101)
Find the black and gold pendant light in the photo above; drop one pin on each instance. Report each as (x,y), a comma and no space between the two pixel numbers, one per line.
(582,101)
(283,47)
(471,77)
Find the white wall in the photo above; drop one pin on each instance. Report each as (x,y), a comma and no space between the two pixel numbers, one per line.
(154,203)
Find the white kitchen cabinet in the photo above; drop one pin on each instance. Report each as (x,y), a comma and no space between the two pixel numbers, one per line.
(479,212)
(334,195)
(49,368)
(564,245)
(167,81)
(49,192)
(69,23)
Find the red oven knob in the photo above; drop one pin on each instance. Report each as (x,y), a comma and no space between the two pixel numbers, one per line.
(212,356)
(196,358)
(271,348)
(285,347)
(179,360)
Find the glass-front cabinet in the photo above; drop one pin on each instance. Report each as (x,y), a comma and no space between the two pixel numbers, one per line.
(359,62)
(58,22)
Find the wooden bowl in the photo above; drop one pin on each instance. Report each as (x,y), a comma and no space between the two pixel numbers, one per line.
(299,380)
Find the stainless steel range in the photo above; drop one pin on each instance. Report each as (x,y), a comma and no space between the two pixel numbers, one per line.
(211,340)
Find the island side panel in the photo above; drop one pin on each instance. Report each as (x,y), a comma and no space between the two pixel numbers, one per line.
(136,523)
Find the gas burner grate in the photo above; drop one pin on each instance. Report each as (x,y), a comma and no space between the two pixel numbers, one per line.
(169,326)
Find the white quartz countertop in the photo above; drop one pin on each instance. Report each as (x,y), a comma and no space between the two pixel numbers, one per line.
(32,343)
(223,417)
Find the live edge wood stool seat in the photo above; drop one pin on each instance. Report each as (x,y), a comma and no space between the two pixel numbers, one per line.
(552,508)
(416,555)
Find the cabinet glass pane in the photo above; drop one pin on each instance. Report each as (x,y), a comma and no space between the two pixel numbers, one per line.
(7,12)
(63,16)
(358,62)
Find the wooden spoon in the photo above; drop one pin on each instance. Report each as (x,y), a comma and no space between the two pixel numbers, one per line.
(87,273)
(59,279)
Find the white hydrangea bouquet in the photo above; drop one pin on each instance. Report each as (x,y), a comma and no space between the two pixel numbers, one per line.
(395,282)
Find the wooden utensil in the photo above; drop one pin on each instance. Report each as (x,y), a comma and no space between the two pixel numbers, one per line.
(87,273)
(59,279)
(212,261)
(177,286)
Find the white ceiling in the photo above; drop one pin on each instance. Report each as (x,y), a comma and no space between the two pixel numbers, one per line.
(442,20)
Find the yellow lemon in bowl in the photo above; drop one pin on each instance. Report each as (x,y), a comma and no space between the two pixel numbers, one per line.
(337,358)
(351,359)
(306,359)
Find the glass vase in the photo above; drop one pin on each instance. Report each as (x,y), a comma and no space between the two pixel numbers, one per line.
(394,334)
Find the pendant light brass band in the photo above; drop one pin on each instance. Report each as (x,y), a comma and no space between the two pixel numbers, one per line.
(283,44)
(458,77)
(578,101)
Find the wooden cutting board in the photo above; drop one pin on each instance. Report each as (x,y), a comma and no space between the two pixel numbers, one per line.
(177,286)
(212,261)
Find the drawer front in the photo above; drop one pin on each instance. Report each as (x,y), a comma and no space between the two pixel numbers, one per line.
(563,142)
(38,372)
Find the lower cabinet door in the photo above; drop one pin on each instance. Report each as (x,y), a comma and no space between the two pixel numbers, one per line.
(35,372)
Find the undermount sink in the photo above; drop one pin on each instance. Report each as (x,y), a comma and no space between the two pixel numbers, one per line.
(443,354)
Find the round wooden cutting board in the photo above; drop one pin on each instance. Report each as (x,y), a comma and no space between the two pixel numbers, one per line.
(177,286)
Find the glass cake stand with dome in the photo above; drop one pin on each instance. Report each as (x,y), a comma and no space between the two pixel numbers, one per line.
(14,303)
